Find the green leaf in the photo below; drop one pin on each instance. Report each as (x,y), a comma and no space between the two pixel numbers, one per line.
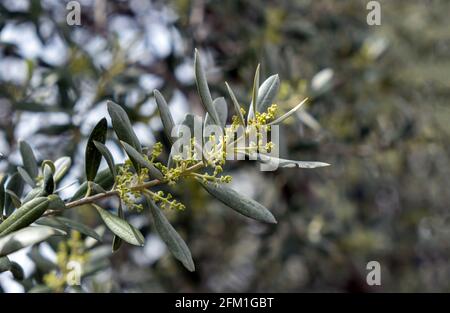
(164,112)
(26,237)
(121,227)
(203,89)
(62,165)
(15,184)
(25,176)
(238,202)
(237,106)
(96,188)
(253,107)
(49,182)
(93,156)
(25,215)
(29,160)
(13,267)
(104,179)
(2,193)
(168,234)
(5,264)
(107,155)
(50,164)
(288,163)
(14,198)
(79,227)
(289,113)
(117,241)
(43,264)
(222,111)
(136,157)
(122,125)
(35,192)
(51,222)
(266,94)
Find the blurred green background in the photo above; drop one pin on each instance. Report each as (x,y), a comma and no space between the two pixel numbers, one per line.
(379,114)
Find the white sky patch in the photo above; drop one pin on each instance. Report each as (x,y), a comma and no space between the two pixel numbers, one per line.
(9,285)
(148,107)
(31,121)
(159,39)
(55,52)
(13,70)
(185,72)
(153,250)
(17,5)
(47,252)
(24,36)
(149,82)
(178,106)
(24,261)
(144,133)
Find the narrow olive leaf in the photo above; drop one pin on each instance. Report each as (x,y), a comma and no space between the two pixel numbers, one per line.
(28,159)
(138,158)
(43,264)
(5,264)
(13,267)
(203,89)
(237,106)
(222,111)
(239,202)
(51,222)
(34,193)
(49,182)
(104,178)
(15,184)
(86,230)
(121,227)
(122,125)
(287,114)
(26,237)
(253,108)
(25,215)
(25,176)
(117,241)
(267,93)
(14,198)
(62,165)
(66,186)
(107,155)
(93,156)
(168,234)
(50,164)
(2,192)
(96,188)
(277,162)
(164,112)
